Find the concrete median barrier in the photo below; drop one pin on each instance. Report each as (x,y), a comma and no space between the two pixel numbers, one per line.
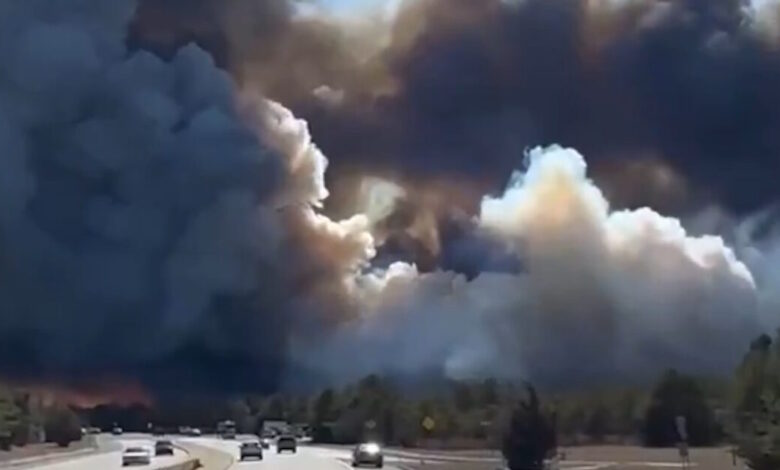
(191,464)
(206,457)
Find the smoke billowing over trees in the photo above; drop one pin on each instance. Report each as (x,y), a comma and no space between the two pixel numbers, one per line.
(164,223)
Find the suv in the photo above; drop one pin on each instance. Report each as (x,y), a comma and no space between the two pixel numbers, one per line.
(163,447)
(251,449)
(286,443)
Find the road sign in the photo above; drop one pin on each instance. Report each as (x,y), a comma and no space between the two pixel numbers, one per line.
(428,423)
(370,424)
(682,430)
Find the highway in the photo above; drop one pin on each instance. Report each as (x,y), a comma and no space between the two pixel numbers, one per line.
(307,457)
(108,456)
(312,457)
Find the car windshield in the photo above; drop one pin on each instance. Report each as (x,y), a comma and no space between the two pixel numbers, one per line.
(135,449)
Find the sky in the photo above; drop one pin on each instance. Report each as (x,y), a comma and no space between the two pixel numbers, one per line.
(352,7)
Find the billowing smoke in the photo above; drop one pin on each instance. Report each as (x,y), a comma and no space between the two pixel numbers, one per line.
(456,87)
(601,295)
(140,228)
(162,220)
(673,102)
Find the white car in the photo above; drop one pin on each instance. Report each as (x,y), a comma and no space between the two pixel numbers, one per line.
(368,453)
(136,456)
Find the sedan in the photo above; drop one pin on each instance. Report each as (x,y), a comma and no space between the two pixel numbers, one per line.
(136,456)
(368,453)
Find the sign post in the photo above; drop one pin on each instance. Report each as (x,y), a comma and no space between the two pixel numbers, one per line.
(428,425)
(682,432)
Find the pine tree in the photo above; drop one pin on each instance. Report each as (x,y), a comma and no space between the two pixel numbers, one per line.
(531,437)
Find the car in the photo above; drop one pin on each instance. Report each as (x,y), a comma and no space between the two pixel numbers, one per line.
(136,456)
(286,443)
(251,449)
(265,442)
(195,432)
(368,453)
(163,447)
(116,431)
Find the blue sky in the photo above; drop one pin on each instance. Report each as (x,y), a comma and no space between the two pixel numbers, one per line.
(345,6)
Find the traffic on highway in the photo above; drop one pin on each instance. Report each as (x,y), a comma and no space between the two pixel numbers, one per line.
(158,452)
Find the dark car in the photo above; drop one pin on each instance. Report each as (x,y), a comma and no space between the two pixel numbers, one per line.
(163,447)
(286,443)
(265,442)
(368,453)
(251,450)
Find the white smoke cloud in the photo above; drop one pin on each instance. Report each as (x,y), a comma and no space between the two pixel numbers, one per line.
(603,295)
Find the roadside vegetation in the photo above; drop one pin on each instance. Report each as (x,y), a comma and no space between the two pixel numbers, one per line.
(27,419)
(525,423)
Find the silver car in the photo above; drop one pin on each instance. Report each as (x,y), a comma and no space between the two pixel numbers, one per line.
(368,453)
(136,456)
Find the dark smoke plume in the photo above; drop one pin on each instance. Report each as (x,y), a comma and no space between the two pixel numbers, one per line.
(138,230)
(690,84)
(683,87)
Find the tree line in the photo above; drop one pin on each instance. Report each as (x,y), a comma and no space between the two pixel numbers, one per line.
(26,418)
(527,424)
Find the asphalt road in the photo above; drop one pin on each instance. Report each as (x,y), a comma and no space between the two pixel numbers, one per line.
(306,458)
(338,458)
(108,456)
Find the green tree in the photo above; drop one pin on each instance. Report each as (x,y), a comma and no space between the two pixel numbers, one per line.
(757,410)
(276,409)
(62,426)
(598,422)
(489,392)
(324,406)
(239,412)
(531,436)
(760,445)
(755,375)
(10,417)
(464,397)
(678,395)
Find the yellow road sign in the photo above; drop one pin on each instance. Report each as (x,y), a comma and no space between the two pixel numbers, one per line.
(428,423)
